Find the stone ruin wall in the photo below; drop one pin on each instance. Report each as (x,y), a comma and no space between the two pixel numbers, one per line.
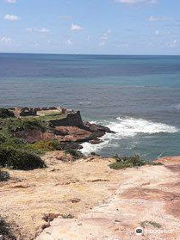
(71,118)
(23,112)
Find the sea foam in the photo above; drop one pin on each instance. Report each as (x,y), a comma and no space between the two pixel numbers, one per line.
(125,127)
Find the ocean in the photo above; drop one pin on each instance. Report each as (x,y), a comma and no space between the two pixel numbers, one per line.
(138,97)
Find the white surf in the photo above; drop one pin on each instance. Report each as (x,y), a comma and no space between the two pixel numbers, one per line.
(125,127)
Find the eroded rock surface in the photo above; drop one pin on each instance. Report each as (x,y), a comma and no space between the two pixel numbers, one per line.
(67,127)
(93,202)
(149,195)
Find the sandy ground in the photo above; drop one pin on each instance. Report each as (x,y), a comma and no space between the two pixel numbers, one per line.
(30,194)
(106,204)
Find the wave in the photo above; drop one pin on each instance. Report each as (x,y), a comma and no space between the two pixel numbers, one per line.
(131,126)
(125,127)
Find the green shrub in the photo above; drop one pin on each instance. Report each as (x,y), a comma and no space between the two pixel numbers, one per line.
(75,153)
(3,138)
(154,224)
(7,140)
(4,176)
(5,230)
(47,145)
(127,162)
(19,124)
(19,159)
(6,113)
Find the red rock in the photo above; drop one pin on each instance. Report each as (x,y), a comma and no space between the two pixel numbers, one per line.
(73,134)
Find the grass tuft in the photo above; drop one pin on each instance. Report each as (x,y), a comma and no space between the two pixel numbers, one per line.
(154,224)
(127,162)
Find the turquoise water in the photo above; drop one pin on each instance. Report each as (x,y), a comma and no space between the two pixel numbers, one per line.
(138,97)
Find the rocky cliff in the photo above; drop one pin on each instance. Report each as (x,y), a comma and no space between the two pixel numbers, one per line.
(61,124)
(71,119)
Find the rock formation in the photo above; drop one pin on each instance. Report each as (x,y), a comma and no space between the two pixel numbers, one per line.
(65,126)
(71,119)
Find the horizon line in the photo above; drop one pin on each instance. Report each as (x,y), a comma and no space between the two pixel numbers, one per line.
(91,54)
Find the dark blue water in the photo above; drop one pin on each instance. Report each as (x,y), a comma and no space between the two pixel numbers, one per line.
(136,96)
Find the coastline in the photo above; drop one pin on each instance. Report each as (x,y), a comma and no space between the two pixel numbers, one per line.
(90,120)
(105,89)
(42,202)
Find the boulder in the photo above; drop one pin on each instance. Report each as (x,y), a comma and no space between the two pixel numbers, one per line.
(96,128)
(75,134)
(32,136)
(72,134)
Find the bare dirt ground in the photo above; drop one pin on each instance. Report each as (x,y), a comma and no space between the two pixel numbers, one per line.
(30,194)
(106,204)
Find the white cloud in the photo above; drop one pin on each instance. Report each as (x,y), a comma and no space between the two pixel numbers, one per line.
(133,2)
(69,42)
(75,27)
(157,32)
(38,30)
(11,1)
(11,17)
(159,19)
(172,44)
(106,34)
(6,40)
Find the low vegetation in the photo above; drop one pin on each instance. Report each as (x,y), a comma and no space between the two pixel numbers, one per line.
(5,113)
(47,145)
(26,123)
(127,162)
(15,152)
(5,230)
(19,159)
(4,176)
(151,223)
(75,153)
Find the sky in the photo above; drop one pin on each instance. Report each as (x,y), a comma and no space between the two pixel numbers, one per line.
(90,26)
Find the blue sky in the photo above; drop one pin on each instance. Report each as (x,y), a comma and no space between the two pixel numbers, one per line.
(90,26)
